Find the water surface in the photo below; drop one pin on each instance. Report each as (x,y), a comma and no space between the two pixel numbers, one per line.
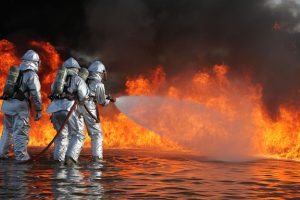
(136,174)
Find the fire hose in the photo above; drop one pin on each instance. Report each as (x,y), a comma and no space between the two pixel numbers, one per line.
(97,118)
(91,114)
(57,134)
(62,127)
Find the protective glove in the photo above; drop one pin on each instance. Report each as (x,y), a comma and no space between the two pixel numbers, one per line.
(38,115)
(70,97)
(112,99)
(4,97)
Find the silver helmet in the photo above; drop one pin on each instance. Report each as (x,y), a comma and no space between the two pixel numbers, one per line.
(71,63)
(97,66)
(31,55)
(30,60)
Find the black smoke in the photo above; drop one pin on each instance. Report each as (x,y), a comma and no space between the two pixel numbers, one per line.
(133,36)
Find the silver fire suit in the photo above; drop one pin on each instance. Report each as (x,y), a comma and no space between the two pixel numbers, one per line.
(96,96)
(16,113)
(71,139)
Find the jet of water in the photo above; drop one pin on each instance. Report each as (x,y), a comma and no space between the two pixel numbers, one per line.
(192,125)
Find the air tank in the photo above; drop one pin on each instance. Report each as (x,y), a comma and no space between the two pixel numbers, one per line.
(11,81)
(60,79)
(83,73)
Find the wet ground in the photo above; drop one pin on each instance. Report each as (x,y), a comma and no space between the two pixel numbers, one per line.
(135,174)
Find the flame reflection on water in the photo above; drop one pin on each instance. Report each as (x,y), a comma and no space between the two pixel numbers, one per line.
(147,174)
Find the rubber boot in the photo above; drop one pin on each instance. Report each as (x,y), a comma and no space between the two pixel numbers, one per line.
(97,159)
(69,161)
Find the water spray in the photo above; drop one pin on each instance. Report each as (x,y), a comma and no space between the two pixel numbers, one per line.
(190,124)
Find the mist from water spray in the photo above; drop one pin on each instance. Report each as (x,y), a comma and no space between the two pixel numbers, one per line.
(192,125)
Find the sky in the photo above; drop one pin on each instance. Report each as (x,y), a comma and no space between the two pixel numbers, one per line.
(260,37)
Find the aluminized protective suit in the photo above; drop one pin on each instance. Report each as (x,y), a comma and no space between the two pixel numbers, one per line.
(96,96)
(16,112)
(70,141)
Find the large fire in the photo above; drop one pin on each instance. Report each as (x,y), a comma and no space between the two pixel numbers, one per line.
(119,131)
(236,98)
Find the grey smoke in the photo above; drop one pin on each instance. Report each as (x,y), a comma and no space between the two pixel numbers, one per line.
(134,36)
(85,59)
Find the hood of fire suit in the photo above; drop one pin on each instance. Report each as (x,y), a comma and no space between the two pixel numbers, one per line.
(30,60)
(26,64)
(72,71)
(71,63)
(97,66)
(95,75)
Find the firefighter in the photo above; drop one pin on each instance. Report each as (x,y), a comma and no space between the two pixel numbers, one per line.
(68,144)
(22,85)
(89,110)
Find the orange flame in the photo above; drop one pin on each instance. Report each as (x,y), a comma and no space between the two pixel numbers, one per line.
(236,98)
(146,86)
(119,131)
(7,59)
